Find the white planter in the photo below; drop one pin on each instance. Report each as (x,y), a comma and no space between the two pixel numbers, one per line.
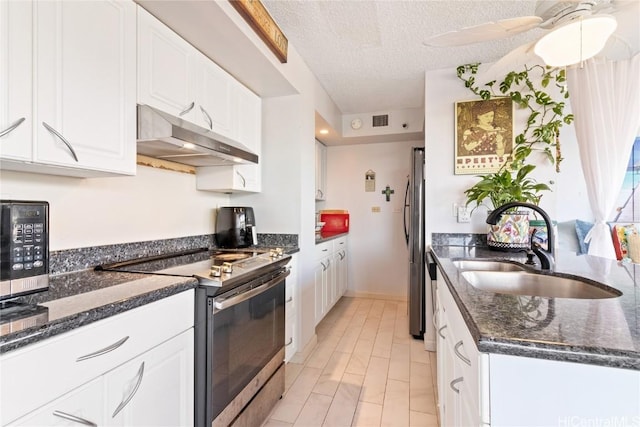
(511,232)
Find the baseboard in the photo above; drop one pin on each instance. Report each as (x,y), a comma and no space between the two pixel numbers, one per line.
(369,295)
(301,356)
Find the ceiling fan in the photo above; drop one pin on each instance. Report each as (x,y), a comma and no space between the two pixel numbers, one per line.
(576,30)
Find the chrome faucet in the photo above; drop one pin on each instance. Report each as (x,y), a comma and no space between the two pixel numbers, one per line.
(546,257)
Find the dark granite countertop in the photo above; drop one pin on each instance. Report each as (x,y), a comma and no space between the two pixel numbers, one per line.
(79,298)
(602,332)
(325,237)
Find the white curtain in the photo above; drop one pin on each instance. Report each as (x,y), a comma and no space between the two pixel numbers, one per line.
(605,100)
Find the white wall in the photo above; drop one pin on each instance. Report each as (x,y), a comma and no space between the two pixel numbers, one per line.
(442,89)
(378,256)
(154,204)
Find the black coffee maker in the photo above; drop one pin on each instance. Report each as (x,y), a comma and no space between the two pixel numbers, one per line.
(236,227)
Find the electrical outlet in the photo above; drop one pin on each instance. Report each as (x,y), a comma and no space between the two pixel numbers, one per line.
(463,214)
(375,209)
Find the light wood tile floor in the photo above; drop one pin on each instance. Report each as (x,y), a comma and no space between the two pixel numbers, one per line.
(366,370)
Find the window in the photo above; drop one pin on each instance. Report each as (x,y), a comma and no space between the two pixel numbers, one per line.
(628,206)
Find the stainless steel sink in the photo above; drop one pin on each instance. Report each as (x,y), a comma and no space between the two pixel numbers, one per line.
(487,265)
(523,283)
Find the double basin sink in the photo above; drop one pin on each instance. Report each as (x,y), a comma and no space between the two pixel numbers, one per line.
(507,277)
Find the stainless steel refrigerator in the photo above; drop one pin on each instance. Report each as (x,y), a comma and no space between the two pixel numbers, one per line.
(420,299)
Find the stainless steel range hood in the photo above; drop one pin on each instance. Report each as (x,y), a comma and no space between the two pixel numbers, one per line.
(163,136)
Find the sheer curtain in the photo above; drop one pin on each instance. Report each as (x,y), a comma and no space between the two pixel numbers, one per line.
(605,100)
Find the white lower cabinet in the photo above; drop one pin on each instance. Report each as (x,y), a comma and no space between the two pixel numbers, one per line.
(486,389)
(330,275)
(142,359)
(82,406)
(323,278)
(458,360)
(156,388)
(290,310)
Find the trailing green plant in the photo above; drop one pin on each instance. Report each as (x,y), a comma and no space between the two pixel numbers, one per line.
(541,132)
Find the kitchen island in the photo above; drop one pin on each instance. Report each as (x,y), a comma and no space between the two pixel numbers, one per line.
(524,360)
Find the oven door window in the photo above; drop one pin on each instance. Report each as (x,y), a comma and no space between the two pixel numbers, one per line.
(246,337)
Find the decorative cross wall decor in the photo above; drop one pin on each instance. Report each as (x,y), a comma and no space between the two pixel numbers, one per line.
(388,192)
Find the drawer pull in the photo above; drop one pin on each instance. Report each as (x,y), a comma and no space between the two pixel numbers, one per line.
(133,392)
(440,332)
(454,382)
(457,352)
(103,351)
(74,418)
(186,110)
(290,342)
(11,127)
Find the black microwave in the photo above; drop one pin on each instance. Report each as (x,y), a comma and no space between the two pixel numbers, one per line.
(24,247)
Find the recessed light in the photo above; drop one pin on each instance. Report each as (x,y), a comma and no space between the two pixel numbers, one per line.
(324,131)
(188,145)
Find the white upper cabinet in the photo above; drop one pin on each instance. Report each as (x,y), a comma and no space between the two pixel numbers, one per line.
(166,68)
(176,78)
(213,100)
(321,171)
(247,111)
(15,80)
(80,103)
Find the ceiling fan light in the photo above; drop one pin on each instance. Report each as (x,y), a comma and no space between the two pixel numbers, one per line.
(576,41)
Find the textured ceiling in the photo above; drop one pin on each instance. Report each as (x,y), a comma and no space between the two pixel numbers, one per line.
(370,56)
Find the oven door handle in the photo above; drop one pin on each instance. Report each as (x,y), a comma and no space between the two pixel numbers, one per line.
(237,299)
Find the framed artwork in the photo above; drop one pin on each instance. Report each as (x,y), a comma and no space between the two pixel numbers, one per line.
(484,135)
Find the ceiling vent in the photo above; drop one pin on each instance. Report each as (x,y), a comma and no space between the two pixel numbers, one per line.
(382,120)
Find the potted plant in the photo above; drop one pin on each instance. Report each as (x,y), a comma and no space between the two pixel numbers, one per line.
(512,182)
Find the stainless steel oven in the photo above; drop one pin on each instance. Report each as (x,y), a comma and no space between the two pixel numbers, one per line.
(243,356)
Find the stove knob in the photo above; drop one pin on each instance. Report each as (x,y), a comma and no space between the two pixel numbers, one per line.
(227,267)
(216,271)
(275,253)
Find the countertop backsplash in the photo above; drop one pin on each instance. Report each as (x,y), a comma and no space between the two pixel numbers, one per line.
(458,239)
(70,260)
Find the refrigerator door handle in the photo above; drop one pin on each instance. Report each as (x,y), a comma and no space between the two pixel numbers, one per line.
(404,215)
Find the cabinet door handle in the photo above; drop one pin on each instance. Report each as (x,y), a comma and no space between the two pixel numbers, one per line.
(341,255)
(244,181)
(440,332)
(103,351)
(289,300)
(454,382)
(290,342)
(324,267)
(74,418)
(207,117)
(460,355)
(133,392)
(11,127)
(186,110)
(62,138)
(328,263)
